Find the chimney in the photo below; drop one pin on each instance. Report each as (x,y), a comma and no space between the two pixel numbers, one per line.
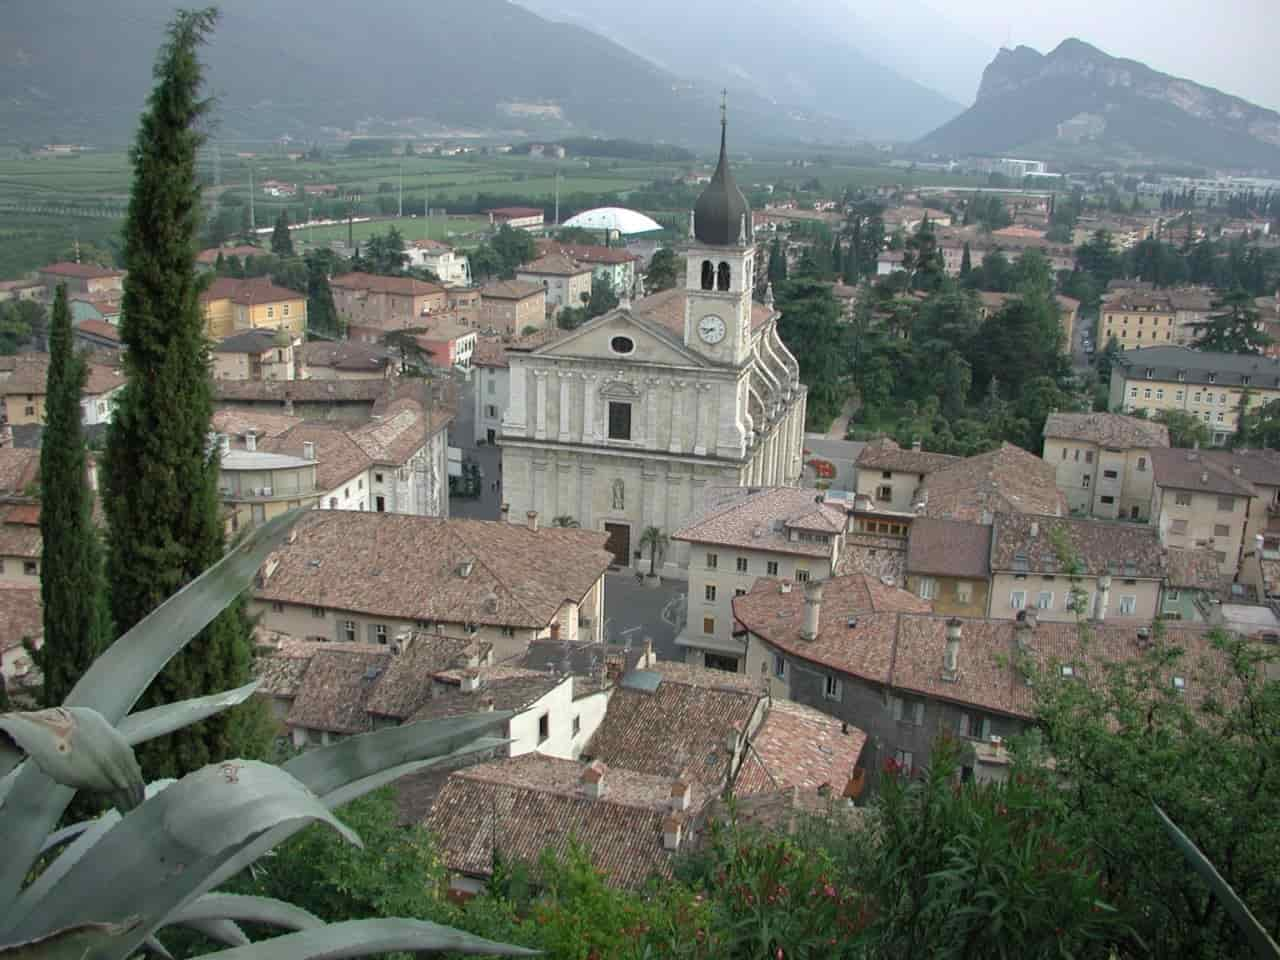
(951,655)
(916,446)
(1023,628)
(250,440)
(308,450)
(465,567)
(593,780)
(532,517)
(1235,469)
(681,795)
(812,609)
(1035,529)
(505,511)
(470,682)
(784,586)
(1204,477)
(486,705)
(672,828)
(1104,597)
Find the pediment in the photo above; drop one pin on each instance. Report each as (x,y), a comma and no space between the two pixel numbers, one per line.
(652,342)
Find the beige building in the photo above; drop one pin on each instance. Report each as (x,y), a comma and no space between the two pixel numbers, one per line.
(565,280)
(742,533)
(368,577)
(83,278)
(385,303)
(345,360)
(948,565)
(1204,500)
(1103,462)
(453,269)
(256,486)
(231,305)
(23,391)
(510,307)
(1137,319)
(624,421)
(257,354)
(1205,385)
(891,476)
(1067,570)
(20,540)
(21,623)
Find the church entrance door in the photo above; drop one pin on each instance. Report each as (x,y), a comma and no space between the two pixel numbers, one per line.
(619,543)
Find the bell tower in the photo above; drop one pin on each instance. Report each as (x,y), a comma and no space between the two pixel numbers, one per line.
(720,267)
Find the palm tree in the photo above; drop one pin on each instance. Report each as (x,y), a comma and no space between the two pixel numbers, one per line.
(655,540)
(564,520)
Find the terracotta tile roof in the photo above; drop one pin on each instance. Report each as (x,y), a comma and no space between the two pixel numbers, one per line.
(334,689)
(554,265)
(397,286)
(19,539)
(757,518)
(506,688)
(876,556)
(511,290)
(280,669)
(99,328)
(679,731)
(249,291)
(401,432)
(339,458)
(21,616)
(489,352)
(864,649)
(796,746)
(1022,543)
(884,454)
(344,355)
(301,391)
(408,568)
(782,811)
(534,803)
(255,340)
(1194,570)
(667,309)
(81,271)
(949,548)
(407,682)
(1261,467)
(102,379)
(19,468)
(237,423)
(587,253)
(1112,430)
(1007,479)
(1193,470)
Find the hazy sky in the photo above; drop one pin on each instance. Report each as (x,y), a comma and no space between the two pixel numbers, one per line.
(1228,44)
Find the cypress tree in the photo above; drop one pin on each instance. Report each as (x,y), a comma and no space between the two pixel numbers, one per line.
(966,263)
(160,475)
(837,265)
(322,313)
(70,558)
(281,241)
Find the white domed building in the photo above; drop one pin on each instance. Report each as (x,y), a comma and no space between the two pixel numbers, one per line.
(623,422)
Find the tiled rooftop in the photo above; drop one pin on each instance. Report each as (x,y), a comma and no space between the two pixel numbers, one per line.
(345,355)
(398,286)
(1200,472)
(555,265)
(885,454)
(1112,430)
(668,309)
(21,616)
(755,518)
(1006,479)
(949,548)
(19,468)
(796,746)
(878,557)
(411,568)
(334,688)
(1022,543)
(505,688)
(1195,570)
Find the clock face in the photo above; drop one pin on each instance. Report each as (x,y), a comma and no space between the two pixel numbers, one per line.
(711,328)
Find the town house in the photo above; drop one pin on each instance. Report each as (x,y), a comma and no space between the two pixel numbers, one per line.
(345,360)
(1103,462)
(510,307)
(890,476)
(257,354)
(83,278)
(385,303)
(360,576)
(231,305)
(947,563)
(23,391)
(566,281)
(611,265)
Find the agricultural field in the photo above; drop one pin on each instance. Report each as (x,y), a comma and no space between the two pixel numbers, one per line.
(411,228)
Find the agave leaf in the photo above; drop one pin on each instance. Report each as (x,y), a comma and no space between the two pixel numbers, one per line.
(358,788)
(115,682)
(363,938)
(232,906)
(220,930)
(327,768)
(156,722)
(156,858)
(10,757)
(159,949)
(69,943)
(1263,946)
(76,747)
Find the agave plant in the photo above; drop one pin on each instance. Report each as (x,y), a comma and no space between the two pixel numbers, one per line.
(108,886)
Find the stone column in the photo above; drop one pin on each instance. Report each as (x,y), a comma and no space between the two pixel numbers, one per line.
(590,384)
(700,425)
(566,382)
(679,414)
(540,419)
(651,413)
(648,494)
(515,422)
(586,476)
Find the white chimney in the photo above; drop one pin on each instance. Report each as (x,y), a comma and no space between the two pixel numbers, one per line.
(505,511)
(1035,529)
(672,828)
(486,705)
(951,655)
(916,446)
(532,517)
(593,780)
(308,450)
(784,586)
(812,609)
(681,795)
(1104,597)
(1023,628)
(465,567)
(250,440)
(470,681)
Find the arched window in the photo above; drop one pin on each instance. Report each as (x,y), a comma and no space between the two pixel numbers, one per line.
(722,278)
(708,275)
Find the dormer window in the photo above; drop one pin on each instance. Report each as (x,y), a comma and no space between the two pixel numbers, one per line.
(1150,372)
(1182,375)
(1213,378)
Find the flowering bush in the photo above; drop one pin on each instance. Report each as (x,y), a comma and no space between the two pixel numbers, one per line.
(824,469)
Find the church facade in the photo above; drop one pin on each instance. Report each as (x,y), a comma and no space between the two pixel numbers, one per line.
(621,423)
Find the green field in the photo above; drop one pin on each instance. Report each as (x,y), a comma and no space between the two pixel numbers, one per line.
(411,228)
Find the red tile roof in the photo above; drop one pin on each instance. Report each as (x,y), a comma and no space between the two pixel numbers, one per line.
(554,265)
(21,617)
(242,250)
(761,519)
(100,328)
(796,746)
(248,292)
(1007,479)
(883,453)
(397,286)
(80,271)
(1112,430)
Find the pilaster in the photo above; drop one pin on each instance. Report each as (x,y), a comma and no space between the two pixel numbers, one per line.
(566,384)
(540,417)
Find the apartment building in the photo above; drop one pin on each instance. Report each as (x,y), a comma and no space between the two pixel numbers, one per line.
(23,391)
(948,564)
(257,486)
(565,280)
(1205,500)
(891,476)
(257,354)
(509,307)
(83,278)
(1103,462)
(453,269)
(612,265)
(1138,319)
(1067,569)
(368,577)
(385,303)
(742,533)
(492,388)
(1205,385)
(231,305)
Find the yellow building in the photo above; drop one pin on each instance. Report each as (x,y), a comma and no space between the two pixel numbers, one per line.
(948,564)
(1138,319)
(1206,385)
(231,305)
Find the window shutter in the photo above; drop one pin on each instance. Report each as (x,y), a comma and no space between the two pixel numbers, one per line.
(337,630)
(371,629)
(962,727)
(896,704)
(986,728)
(918,711)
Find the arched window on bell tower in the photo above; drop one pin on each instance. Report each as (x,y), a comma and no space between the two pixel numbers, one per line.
(708,275)
(722,277)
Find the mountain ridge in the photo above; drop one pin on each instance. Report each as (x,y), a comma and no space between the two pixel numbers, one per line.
(1077,94)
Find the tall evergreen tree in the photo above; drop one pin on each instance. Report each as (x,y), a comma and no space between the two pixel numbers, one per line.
(837,258)
(281,241)
(1233,328)
(322,313)
(966,262)
(71,586)
(160,476)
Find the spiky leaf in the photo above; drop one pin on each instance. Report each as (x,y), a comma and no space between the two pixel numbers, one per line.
(76,747)
(233,906)
(156,722)
(69,943)
(364,938)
